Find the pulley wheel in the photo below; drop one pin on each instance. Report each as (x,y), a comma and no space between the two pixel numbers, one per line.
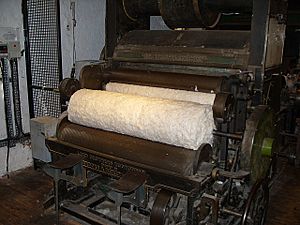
(160,210)
(68,87)
(257,204)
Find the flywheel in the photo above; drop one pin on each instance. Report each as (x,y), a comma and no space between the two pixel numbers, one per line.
(258,143)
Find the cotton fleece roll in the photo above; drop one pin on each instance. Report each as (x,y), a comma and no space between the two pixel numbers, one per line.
(156,92)
(179,123)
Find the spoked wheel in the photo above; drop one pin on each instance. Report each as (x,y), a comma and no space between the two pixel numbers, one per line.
(163,205)
(257,204)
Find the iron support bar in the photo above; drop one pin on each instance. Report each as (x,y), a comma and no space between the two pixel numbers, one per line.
(229,135)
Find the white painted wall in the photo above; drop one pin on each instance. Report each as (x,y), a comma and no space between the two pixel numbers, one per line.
(89,31)
(20,156)
(89,41)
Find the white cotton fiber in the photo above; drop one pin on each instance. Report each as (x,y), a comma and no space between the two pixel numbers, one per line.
(179,123)
(156,92)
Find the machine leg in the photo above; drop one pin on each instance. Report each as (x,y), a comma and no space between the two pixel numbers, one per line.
(57,201)
(119,201)
(119,214)
(58,171)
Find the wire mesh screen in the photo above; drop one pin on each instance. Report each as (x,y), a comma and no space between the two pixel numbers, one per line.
(46,103)
(45,60)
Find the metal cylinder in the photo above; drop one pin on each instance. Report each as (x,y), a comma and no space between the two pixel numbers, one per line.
(92,78)
(177,160)
(137,8)
(185,13)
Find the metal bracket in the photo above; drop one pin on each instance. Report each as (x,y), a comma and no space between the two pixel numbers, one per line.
(61,170)
(213,202)
(129,188)
(240,174)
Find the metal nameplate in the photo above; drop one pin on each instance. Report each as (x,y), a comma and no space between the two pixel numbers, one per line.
(106,166)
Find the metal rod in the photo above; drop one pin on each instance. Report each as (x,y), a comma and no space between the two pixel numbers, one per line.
(59,50)
(45,88)
(229,135)
(288,156)
(228,211)
(289,135)
(27,58)
(57,201)
(13,141)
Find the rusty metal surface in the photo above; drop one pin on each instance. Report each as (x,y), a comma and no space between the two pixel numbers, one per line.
(217,48)
(93,77)
(176,159)
(169,80)
(67,162)
(195,70)
(116,167)
(237,136)
(129,182)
